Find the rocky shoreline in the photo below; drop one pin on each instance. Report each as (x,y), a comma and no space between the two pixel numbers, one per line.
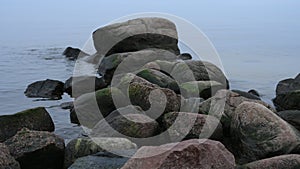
(150,106)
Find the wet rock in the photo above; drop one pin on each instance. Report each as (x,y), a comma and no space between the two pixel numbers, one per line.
(291,116)
(130,62)
(73,53)
(90,108)
(135,35)
(96,162)
(258,133)
(67,105)
(6,160)
(254,92)
(185,56)
(37,149)
(33,119)
(84,146)
(247,94)
(288,101)
(291,161)
(159,78)
(223,104)
(76,86)
(203,89)
(204,154)
(192,126)
(51,89)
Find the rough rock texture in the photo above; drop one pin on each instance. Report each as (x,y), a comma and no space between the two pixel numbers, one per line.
(84,146)
(259,133)
(154,100)
(6,160)
(33,119)
(192,126)
(291,116)
(159,78)
(130,62)
(288,101)
(90,108)
(204,154)
(37,149)
(223,104)
(291,161)
(203,89)
(98,162)
(73,53)
(135,35)
(247,94)
(51,89)
(288,85)
(76,86)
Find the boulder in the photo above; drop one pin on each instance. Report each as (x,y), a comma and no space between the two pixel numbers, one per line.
(135,35)
(247,94)
(90,108)
(204,154)
(291,116)
(159,78)
(254,92)
(84,146)
(6,160)
(156,101)
(288,85)
(130,62)
(185,56)
(37,149)
(203,89)
(33,119)
(200,126)
(99,162)
(291,161)
(258,133)
(288,101)
(66,105)
(73,53)
(76,86)
(223,104)
(51,89)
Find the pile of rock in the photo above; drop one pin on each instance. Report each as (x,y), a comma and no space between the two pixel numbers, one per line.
(161,110)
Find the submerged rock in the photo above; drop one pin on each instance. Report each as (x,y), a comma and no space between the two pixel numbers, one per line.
(73,53)
(204,154)
(6,160)
(33,119)
(37,149)
(135,35)
(258,133)
(52,89)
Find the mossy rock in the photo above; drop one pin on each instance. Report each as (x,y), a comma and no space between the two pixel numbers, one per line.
(203,89)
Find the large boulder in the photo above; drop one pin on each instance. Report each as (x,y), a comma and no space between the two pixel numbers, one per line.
(76,86)
(288,85)
(51,89)
(248,95)
(84,146)
(203,89)
(291,116)
(258,133)
(288,101)
(223,104)
(205,154)
(6,160)
(33,119)
(99,162)
(90,108)
(135,35)
(130,62)
(203,126)
(37,149)
(291,161)
(73,53)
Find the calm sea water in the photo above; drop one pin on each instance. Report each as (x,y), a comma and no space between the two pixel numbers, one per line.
(258,43)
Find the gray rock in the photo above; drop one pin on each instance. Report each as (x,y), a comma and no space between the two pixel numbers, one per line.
(288,85)
(205,154)
(73,53)
(247,94)
(291,116)
(67,105)
(51,89)
(135,35)
(96,162)
(288,101)
(37,149)
(258,133)
(203,89)
(33,119)
(291,161)
(6,160)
